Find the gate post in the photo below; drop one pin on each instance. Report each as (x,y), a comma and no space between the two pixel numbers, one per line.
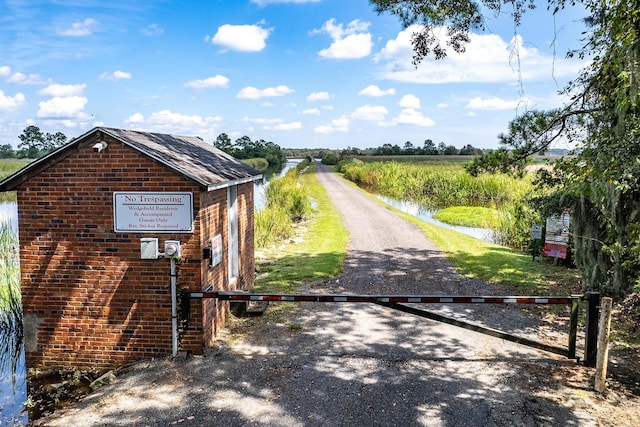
(591,339)
(573,326)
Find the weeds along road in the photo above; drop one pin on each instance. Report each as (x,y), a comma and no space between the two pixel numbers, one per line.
(357,364)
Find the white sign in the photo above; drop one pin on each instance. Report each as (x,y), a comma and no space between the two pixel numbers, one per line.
(216,250)
(147,212)
(536,231)
(558,228)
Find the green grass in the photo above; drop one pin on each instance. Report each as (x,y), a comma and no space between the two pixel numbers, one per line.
(8,167)
(497,264)
(469,216)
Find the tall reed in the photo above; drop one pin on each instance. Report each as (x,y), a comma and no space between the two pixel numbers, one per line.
(286,203)
(10,302)
(435,185)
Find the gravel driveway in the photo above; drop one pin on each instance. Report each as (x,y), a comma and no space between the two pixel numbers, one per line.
(358,364)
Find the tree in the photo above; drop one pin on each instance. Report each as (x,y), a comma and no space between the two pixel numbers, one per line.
(34,143)
(599,182)
(31,141)
(223,142)
(458,16)
(450,150)
(6,151)
(429,148)
(409,148)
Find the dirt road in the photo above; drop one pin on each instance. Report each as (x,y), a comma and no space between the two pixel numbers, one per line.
(359,364)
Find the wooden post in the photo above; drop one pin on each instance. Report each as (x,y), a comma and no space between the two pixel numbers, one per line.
(603,344)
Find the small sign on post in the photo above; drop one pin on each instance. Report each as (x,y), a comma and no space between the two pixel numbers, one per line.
(536,234)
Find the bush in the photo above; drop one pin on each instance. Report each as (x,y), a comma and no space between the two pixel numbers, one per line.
(329,159)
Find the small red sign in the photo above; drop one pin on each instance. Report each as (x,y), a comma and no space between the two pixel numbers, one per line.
(555,249)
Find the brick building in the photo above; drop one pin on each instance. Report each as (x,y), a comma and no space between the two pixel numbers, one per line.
(89,212)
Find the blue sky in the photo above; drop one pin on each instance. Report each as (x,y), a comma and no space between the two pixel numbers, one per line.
(300,73)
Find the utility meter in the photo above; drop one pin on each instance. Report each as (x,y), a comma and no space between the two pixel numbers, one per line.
(171,248)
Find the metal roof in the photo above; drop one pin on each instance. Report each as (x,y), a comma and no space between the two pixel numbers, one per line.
(190,156)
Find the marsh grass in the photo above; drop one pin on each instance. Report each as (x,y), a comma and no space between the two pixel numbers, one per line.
(435,185)
(287,202)
(10,301)
(7,167)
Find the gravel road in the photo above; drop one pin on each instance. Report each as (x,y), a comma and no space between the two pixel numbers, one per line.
(359,364)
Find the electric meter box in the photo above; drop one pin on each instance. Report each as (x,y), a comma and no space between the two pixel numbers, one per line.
(149,248)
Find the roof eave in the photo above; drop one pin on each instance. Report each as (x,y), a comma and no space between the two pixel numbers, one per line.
(213,187)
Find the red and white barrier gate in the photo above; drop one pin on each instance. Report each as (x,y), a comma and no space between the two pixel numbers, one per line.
(398,302)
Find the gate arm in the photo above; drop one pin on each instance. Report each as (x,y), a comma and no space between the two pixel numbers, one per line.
(477,328)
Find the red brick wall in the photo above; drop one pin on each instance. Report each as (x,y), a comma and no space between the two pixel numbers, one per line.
(246,236)
(88,298)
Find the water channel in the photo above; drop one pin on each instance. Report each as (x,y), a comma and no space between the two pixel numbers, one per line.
(13,381)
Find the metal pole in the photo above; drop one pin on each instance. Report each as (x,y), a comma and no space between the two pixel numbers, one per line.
(591,339)
(174,309)
(573,325)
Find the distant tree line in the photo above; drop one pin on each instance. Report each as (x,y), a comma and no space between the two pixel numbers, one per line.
(245,148)
(429,148)
(33,144)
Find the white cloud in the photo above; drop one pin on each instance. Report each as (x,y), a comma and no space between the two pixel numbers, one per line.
(135,118)
(409,116)
(250,92)
(80,29)
(285,126)
(319,96)
(311,111)
(350,42)
(488,59)
(492,104)
(211,82)
(63,107)
(23,79)
(373,90)
(116,76)
(243,38)
(370,112)
(152,30)
(62,90)
(11,103)
(261,121)
(168,121)
(337,125)
(409,101)
(5,71)
(442,105)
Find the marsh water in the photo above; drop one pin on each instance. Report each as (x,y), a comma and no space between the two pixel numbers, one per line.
(260,186)
(13,383)
(426,214)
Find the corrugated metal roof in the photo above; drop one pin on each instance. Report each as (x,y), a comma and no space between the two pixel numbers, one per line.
(187,155)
